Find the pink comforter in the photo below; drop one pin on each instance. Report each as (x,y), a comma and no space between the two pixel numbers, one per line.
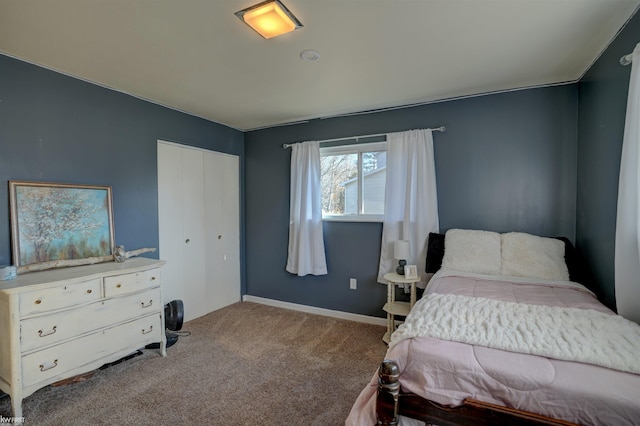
(448,372)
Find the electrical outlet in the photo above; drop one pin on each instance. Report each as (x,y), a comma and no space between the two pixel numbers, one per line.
(353,283)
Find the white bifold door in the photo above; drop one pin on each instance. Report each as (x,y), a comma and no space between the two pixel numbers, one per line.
(199,226)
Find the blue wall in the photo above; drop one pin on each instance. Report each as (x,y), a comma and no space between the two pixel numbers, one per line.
(507,162)
(544,161)
(602,106)
(55,128)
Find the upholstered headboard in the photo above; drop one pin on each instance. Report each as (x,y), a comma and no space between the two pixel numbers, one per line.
(577,268)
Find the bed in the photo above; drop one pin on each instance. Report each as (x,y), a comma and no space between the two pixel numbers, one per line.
(506,334)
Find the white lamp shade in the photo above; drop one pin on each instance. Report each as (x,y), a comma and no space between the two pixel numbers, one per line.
(401,250)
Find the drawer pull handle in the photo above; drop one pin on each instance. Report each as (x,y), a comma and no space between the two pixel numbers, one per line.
(147,331)
(118,285)
(89,291)
(38,302)
(53,330)
(147,305)
(54,365)
(153,278)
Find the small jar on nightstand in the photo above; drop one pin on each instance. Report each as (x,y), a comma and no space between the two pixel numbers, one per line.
(392,307)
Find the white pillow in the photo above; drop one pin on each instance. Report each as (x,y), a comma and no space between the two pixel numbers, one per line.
(526,255)
(472,251)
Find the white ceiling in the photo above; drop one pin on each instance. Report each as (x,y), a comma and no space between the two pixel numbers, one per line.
(196,56)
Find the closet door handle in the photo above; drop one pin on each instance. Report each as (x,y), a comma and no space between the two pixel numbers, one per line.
(187,241)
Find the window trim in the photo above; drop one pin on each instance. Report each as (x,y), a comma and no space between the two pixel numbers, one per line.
(354,148)
(353,218)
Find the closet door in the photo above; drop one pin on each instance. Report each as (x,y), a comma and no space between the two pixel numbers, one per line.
(193,238)
(199,222)
(222,211)
(170,220)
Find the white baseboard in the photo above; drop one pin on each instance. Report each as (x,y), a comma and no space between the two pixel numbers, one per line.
(317,311)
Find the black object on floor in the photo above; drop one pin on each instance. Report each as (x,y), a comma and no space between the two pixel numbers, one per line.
(126,358)
(173,317)
(172,338)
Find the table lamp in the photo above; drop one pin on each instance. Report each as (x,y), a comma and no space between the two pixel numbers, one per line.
(401,253)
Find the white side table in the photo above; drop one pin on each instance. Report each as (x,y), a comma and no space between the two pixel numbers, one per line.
(392,307)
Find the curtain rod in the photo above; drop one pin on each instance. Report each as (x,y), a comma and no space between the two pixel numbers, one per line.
(440,129)
(626,59)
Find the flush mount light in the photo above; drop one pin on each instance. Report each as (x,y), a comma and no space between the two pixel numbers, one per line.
(269,19)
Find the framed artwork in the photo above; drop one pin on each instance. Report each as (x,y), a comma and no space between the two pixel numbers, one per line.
(55,225)
(411,272)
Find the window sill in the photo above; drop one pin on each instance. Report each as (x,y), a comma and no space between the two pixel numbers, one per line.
(353,218)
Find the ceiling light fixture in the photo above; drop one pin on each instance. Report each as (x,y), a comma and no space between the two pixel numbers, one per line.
(269,19)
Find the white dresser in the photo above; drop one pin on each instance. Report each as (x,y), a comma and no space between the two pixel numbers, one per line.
(59,323)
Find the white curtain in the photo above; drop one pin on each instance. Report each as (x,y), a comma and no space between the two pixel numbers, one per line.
(627,255)
(306,244)
(411,201)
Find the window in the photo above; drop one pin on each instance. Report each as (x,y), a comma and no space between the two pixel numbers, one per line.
(353,179)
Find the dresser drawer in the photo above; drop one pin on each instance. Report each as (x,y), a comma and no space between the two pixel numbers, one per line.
(129,283)
(54,362)
(49,299)
(49,329)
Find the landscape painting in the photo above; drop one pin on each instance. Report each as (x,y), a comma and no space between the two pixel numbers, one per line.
(57,224)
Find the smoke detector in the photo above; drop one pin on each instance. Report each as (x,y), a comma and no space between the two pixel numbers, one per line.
(309,55)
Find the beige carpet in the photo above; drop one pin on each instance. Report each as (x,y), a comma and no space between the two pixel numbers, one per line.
(247,364)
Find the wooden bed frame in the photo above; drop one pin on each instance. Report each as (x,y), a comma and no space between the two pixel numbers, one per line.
(390,403)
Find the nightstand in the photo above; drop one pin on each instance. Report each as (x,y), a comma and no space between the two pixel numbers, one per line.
(392,307)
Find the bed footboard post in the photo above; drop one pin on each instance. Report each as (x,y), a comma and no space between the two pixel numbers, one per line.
(388,391)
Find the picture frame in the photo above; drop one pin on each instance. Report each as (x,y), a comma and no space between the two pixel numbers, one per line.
(56,225)
(411,272)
